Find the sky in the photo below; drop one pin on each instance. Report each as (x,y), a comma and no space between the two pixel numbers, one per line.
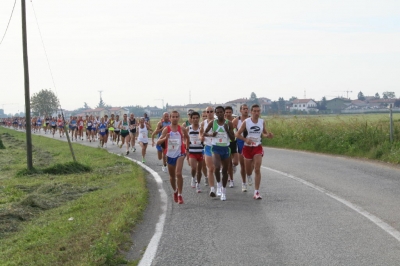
(182,51)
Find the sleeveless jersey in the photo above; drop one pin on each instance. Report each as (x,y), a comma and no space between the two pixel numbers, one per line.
(254,131)
(222,137)
(125,127)
(174,146)
(207,140)
(143,134)
(195,145)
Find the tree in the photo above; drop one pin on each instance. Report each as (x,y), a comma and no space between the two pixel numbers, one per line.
(322,105)
(361,96)
(45,102)
(389,95)
(281,104)
(274,106)
(253,99)
(377,96)
(101,104)
(292,99)
(86,106)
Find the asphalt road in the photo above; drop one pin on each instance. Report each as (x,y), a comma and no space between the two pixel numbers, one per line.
(316,210)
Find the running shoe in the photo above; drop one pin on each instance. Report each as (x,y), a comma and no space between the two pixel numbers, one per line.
(143,160)
(223,196)
(193,183)
(164,169)
(127,152)
(134,149)
(198,189)
(175,194)
(212,193)
(234,169)
(120,146)
(244,188)
(230,183)
(180,199)
(206,181)
(257,196)
(250,180)
(219,191)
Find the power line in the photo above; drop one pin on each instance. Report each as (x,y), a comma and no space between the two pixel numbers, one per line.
(12,12)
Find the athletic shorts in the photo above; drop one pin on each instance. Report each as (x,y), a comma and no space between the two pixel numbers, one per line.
(240,144)
(111,129)
(54,127)
(207,150)
(117,132)
(172,161)
(60,127)
(233,146)
(250,151)
(124,134)
(197,156)
(133,131)
(102,133)
(222,151)
(106,131)
(73,128)
(160,147)
(89,128)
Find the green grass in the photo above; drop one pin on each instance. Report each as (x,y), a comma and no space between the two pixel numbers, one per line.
(56,216)
(365,136)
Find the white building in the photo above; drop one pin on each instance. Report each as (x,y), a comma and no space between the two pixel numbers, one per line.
(306,105)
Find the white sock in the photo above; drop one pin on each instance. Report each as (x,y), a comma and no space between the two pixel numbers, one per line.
(223,190)
(219,184)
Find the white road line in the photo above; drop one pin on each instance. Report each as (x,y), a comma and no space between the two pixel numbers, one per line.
(376,220)
(151,249)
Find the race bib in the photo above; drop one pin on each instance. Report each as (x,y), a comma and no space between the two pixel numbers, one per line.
(89,124)
(144,135)
(195,140)
(254,141)
(103,130)
(222,137)
(174,144)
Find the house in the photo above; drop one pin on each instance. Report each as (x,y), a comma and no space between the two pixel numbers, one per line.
(235,104)
(356,104)
(117,111)
(265,104)
(182,109)
(153,111)
(305,105)
(381,103)
(336,105)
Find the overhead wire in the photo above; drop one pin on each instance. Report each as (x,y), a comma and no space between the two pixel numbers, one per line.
(8,24)
(47,58)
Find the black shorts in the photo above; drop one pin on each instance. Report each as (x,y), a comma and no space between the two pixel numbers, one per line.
(233,147)
(133,131)
(117,132)
(124,134)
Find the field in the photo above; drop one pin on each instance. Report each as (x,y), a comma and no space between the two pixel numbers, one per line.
(364,136)
(64,213)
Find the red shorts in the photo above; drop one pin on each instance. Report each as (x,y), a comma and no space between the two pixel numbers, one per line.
(197,156)
(249,152)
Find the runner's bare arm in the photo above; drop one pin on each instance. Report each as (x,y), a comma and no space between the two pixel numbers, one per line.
(266,133)
(163,137)
(240,131)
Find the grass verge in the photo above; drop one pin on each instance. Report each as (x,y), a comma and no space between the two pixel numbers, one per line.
(60,216)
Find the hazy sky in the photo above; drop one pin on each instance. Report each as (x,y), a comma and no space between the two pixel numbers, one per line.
(139,52)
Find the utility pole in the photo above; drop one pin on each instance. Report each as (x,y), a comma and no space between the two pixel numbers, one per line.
(27,95)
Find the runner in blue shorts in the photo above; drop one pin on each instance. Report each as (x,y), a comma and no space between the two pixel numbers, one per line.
(221,137)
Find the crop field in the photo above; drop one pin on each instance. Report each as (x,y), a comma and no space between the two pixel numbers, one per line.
(365,136)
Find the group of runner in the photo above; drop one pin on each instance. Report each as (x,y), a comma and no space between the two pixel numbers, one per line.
(213,148)
(213,142)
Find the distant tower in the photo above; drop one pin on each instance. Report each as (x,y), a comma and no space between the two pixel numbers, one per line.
(100,94)
(304,94)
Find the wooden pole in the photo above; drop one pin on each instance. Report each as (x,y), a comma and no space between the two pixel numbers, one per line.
(27,95)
